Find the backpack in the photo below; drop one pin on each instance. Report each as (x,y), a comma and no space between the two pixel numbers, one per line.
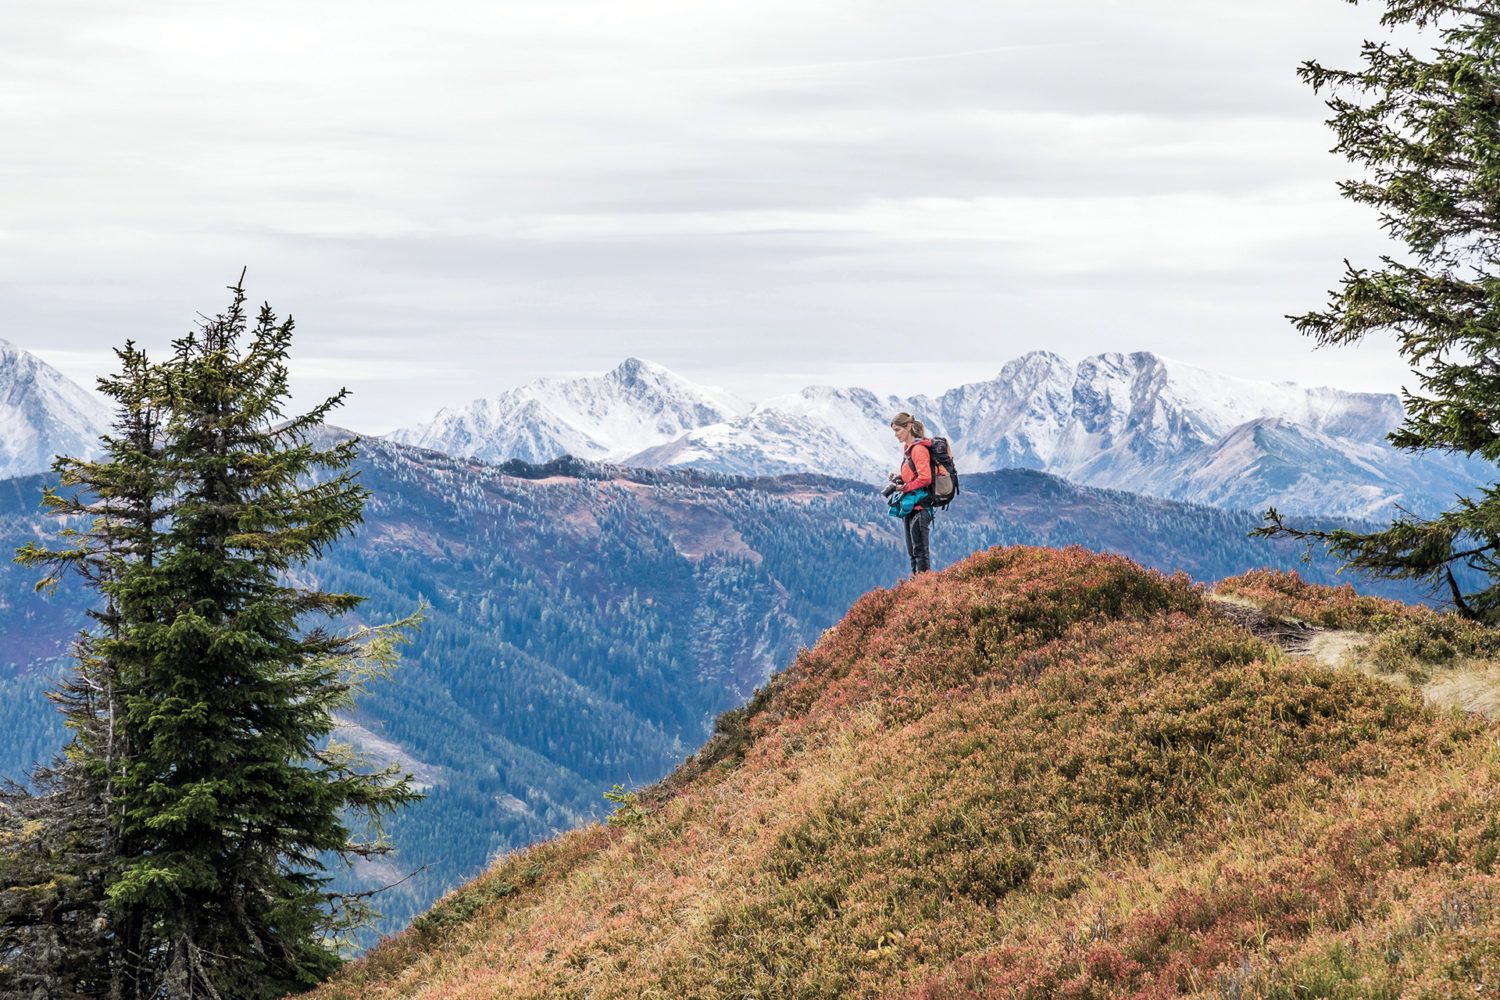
(944,472)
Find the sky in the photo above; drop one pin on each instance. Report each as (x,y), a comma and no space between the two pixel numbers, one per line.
(453,198)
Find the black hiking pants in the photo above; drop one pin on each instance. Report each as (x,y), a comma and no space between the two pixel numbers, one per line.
(918,530)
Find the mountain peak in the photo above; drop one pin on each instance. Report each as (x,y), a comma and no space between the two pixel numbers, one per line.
(1123,361)
(15,358)
(43,414)
(635,406)
(1033,368)
(633,368)
(1031,358)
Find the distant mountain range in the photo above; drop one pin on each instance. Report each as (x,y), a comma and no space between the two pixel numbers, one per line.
(634,407)
(1136,422)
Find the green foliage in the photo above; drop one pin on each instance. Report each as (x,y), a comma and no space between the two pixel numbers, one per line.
(1402,640)
(628,810)
(1414,646)
(202,699)
(462,905)
(53,866)
(1427,131)
(1285,594)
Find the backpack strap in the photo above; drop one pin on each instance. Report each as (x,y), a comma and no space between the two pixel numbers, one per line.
(931,465)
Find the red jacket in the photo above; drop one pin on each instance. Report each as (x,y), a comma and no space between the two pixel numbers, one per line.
(916,468)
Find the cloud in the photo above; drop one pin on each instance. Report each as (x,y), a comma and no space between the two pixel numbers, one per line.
(471,195)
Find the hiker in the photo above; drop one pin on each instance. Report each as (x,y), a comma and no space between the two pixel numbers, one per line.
(911,503)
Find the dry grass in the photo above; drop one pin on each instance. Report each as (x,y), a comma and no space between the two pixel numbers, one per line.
(1454,663)
(1043,774)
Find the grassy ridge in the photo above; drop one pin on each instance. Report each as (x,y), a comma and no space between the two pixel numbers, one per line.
(1039,774)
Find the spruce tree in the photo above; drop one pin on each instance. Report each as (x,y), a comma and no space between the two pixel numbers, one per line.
(202,761)
(55,940)
(1426,128)
(59,934)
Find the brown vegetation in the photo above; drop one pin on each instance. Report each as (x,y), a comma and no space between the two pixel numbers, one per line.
(1041,774)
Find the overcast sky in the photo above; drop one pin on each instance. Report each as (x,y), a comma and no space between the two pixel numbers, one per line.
(452,198)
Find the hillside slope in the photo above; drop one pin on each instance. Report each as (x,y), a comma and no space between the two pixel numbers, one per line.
(1037,774)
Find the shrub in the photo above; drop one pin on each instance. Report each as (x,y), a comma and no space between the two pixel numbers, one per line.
(1285,594)
(1412,645)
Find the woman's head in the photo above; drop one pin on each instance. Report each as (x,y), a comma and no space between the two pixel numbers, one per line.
(907,428)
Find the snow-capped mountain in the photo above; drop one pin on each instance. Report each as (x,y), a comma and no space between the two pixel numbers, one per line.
(1136,422)
(607,418)
(1142,423)
(43,414)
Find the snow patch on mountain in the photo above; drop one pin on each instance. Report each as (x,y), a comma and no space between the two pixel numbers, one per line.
(838,432)
(606,418)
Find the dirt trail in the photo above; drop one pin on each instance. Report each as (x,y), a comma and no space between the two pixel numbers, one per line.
(1473,687)
(1336,647)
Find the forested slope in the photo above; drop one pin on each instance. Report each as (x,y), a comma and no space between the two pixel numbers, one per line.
(586,623)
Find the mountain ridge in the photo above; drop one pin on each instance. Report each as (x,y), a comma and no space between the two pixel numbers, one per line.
(612,415)
(1136,421)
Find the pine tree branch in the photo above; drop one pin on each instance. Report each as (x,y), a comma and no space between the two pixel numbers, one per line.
(344,898)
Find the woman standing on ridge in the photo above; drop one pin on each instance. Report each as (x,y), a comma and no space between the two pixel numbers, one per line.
(915,480)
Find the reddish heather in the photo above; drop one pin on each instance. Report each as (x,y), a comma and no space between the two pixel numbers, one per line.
(1038,774)
(1285,594)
